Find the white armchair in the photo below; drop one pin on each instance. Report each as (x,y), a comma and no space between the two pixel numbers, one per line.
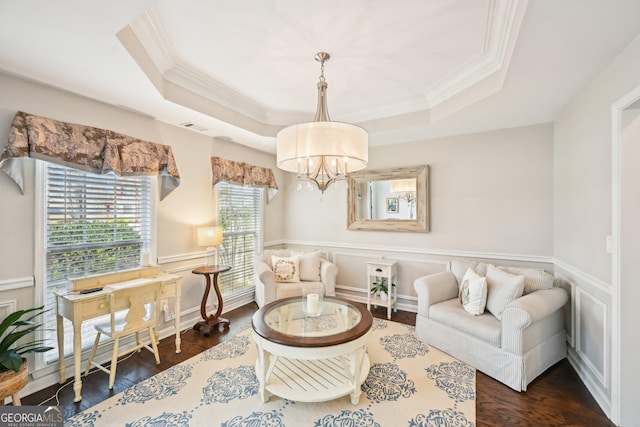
(312,269)
(528,339)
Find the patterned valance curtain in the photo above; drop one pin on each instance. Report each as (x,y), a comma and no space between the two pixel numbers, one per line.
(86,148)
(241,173)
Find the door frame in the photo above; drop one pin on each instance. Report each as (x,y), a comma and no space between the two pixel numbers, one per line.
(616,148)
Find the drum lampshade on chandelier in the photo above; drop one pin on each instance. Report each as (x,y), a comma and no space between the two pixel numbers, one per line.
(322,152)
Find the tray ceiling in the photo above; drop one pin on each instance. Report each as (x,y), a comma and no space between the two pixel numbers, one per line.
(243,70)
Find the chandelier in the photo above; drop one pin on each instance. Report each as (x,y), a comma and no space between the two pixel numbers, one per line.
(405,189)
(322,152)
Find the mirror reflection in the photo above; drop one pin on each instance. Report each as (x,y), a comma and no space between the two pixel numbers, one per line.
(386,199)
(389,199)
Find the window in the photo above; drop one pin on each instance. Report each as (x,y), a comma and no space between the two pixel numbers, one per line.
(92,224)
(240,216)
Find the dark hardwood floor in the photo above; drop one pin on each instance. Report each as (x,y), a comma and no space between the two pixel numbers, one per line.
(557,398)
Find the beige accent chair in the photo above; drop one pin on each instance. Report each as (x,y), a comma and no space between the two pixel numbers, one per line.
(313,270)
(529,338)
(133,309)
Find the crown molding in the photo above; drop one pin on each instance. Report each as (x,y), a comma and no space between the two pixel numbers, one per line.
(189,87)
(503,26)
(154,40)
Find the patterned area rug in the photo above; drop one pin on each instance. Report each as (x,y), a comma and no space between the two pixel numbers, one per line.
(409,384)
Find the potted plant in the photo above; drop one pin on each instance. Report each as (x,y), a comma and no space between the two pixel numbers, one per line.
(380,288)
(13,366)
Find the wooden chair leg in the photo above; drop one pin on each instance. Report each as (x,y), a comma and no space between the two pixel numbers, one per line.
(154,344)
(114,363)
(93,354)
(16,399)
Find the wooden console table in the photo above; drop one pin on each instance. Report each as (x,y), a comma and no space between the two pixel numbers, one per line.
(209,322)
(79,307)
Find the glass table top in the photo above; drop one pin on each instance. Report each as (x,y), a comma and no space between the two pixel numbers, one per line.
(290,318)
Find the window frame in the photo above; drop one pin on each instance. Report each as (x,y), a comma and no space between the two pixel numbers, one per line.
(260,235)
(43,367)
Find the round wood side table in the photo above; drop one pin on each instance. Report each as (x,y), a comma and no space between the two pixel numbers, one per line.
(213,320)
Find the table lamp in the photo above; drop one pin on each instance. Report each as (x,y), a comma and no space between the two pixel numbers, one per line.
(211,237)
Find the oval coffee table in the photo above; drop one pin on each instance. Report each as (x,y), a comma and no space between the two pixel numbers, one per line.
(312,358)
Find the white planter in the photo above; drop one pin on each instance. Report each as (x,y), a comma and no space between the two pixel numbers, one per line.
(383,296)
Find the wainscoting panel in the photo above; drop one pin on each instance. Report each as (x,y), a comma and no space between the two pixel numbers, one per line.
(352,275)
(16,294)
(590,326)
(7,307)
(591,334)
(569,320)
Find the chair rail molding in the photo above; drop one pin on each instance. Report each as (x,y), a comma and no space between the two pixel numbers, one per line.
(17,283)
(542,259)
(583,277)
(168,259)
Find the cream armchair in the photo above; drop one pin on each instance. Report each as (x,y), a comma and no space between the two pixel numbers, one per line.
(514,349)
(312,269)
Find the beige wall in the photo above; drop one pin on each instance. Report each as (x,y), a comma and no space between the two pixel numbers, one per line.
(190,205)
(583,219)
(582,170)
(490,193)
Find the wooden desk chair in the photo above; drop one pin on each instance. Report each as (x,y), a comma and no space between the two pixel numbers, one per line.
(132,310)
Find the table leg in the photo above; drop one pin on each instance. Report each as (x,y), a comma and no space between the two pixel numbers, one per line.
(209,322)
(176,310)
(77,360)
(60,334)
(356,360)
(261,372)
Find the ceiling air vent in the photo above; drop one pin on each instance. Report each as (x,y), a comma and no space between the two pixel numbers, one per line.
(193,126)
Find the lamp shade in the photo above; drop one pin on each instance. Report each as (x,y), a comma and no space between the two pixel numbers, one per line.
(209,236)
(341,143)
(402,185)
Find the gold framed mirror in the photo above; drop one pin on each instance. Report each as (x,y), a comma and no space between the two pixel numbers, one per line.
(395,199)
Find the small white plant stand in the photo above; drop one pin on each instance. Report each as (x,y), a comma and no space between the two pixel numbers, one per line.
(388,269)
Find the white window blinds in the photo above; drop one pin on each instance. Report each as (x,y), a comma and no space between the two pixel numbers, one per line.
(240,216)
(94,224)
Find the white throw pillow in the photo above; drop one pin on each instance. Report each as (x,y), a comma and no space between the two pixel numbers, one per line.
(473,292)
(534,280)
(268,253)
(502,288)
(310,266)
(459,268)
(286,269)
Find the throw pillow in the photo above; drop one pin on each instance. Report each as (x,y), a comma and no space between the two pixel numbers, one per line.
(502,288)
(473,292)
(286,269)
(460,267)
(534,280)
(268,253)
(310,266)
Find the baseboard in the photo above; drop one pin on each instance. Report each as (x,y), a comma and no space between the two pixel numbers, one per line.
(592,383)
